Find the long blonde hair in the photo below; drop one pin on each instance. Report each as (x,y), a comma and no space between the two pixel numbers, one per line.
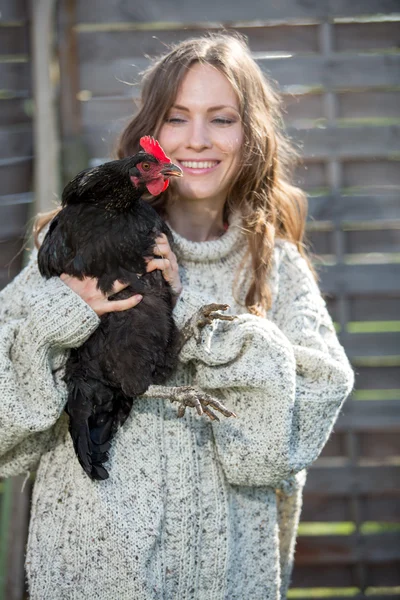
(270,205)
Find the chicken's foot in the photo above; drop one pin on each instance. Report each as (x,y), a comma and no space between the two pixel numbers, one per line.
(189,396)
(204,316)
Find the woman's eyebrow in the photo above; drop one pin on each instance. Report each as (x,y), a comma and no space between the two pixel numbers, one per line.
(210,109)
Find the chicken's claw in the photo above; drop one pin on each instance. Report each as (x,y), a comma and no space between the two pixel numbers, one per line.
(208,313)
(195,398)
(190,396)
(204,316)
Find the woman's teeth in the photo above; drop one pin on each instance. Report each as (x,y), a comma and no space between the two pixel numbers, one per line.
(191,164)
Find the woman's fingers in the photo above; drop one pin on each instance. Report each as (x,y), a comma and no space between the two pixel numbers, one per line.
(87,289)
(158,263)
(118,286)
(167,264)
(118,305)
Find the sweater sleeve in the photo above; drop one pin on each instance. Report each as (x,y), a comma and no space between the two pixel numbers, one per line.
(286,380)
(188,303)
(41,321)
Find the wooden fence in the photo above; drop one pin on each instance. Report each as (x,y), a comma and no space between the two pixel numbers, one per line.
(338,67)
(16,169)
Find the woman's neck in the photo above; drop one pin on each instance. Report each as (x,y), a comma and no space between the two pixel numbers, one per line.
(196,223)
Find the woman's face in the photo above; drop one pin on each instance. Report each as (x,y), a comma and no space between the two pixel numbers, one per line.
(203,134)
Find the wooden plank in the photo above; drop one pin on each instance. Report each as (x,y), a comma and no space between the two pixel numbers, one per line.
(311,176)
(346,577)
(105,46)
(335,446)
(334,72)
(321,242)
(373,175)
(347,143)
(100,144)
(368,104)
(380,240)
(108,110)
(384,575)
(183,12)
(119,109)
(279,38)
(13,220)
(370,416)
(16,10)
(365,241)
(69,105)
(314,144)
(322,576)
(15,110)
(332,509)
(378,378)
(11,260)
(354,208)
(46,143)
(14,40)
(374,597)
(299,109)
(374,308)
(382,444)
(15,78)
(18,532)
(16,141)
(387,507)
(366,36)
(339,481)
(13,199)
(360,279)
(16,178)
(11,255)
(7,275)
(347,549)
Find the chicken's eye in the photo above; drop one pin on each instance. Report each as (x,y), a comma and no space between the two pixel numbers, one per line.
(146,166)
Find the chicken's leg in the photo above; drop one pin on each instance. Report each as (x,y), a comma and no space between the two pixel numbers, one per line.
(189,396)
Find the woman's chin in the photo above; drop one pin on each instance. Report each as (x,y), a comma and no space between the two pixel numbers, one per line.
(199,193)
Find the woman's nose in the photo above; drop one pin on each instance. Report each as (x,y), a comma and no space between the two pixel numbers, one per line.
(198,136)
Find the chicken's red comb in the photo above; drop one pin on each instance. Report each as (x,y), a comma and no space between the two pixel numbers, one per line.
(151,146)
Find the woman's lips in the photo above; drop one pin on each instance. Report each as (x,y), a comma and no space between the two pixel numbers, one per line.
(198,167)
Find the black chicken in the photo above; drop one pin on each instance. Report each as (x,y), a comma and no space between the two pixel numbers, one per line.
(105,230)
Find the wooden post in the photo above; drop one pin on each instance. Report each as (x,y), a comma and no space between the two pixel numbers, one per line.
(44,71)
(73,148)
(15,515)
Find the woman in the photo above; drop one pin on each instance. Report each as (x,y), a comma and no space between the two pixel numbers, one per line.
(192,509)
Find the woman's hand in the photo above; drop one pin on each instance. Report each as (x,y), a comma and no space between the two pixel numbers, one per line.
(87,289)
(167,264)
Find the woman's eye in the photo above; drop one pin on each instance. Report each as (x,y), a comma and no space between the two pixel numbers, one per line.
(222,121)
(145,166)
(174,120)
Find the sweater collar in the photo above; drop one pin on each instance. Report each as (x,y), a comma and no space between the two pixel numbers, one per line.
(230,242)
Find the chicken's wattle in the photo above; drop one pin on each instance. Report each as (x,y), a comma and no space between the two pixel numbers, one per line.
(157,186)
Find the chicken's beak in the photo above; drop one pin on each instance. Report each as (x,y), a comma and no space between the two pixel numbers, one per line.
(172,170)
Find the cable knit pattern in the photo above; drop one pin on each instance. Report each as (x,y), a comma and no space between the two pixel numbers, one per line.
(192,509)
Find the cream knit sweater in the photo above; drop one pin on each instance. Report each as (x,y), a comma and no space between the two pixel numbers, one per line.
(192,509)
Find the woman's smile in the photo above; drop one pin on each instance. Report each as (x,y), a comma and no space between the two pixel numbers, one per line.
(198,167)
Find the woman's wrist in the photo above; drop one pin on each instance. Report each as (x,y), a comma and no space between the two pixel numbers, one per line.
(59,317)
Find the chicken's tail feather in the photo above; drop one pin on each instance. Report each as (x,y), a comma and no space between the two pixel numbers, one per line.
(91,433)
(90,458)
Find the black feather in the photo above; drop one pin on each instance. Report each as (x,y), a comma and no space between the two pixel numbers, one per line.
(105,230)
